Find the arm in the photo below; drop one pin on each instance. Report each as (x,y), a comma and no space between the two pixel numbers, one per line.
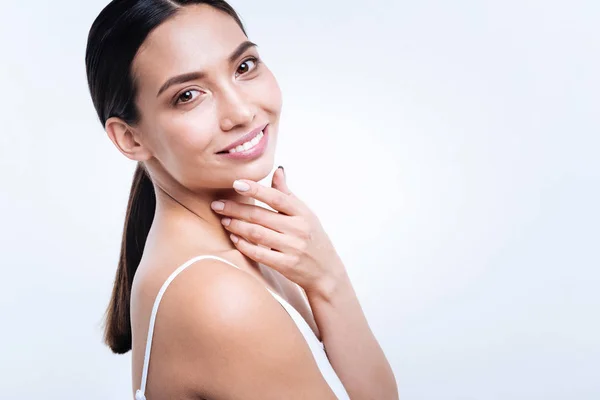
(292,241)
(351,346)
(235,341)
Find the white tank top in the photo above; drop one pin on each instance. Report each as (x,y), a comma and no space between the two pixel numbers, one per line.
(316,346)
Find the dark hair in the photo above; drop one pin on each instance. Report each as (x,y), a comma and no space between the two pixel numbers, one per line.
(113,41)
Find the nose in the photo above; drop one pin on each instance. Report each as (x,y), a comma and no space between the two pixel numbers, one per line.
(235,109)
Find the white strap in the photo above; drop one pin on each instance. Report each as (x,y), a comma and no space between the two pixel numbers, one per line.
(140,393)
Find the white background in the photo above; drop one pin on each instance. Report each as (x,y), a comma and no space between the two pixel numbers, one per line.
(451,150)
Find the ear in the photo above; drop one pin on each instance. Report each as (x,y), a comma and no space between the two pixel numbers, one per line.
(123,137)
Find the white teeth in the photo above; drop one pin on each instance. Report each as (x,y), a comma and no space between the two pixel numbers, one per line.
(249,144)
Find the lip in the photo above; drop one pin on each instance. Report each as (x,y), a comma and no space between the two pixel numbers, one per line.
(254,152)
(244,138)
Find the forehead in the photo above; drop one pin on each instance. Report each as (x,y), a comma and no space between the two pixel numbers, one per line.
(198,37)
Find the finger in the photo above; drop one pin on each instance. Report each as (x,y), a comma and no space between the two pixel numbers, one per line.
(281,262)
(260,235)
(279,181)
(277,200)
(256,215)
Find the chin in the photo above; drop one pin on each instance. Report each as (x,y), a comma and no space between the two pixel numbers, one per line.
(257,170)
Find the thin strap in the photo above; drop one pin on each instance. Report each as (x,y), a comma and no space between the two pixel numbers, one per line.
(140,393)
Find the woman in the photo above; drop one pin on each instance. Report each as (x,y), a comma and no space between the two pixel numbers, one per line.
(180,89)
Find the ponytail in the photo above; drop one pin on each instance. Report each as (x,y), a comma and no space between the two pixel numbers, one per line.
(138,219)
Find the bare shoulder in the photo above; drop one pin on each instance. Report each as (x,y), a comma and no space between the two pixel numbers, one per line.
(229,337)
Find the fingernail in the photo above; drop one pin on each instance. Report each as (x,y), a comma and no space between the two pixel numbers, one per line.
(226,221)
(217,205)
(282,170)
(233,238)
(241,186)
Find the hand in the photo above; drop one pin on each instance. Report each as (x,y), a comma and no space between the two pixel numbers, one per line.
(296,244)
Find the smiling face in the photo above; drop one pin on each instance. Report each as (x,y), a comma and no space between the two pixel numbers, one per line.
(201,87)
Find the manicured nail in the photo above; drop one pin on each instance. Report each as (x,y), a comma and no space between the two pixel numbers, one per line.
(226,221)
(282,170)
(241,186)
(217,205)
(233,238)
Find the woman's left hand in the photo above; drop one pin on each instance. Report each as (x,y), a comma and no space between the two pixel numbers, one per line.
(296,244)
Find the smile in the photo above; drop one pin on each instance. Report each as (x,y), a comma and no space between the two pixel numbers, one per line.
(251,149)
(249,144)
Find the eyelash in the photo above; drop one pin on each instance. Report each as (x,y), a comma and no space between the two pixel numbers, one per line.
(256,60)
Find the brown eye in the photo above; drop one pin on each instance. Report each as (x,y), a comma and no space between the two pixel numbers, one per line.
(247,65)
(186,96)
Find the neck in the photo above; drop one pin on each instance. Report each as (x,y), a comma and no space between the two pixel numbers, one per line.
(189,215)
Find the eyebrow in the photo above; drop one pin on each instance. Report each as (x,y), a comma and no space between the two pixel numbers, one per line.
(190,76)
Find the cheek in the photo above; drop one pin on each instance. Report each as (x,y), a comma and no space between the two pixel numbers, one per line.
(185,136)
(276,97)
(270,93)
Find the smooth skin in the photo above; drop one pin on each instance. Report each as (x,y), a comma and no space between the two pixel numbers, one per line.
(299,248)
(219,334)
(231,340)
